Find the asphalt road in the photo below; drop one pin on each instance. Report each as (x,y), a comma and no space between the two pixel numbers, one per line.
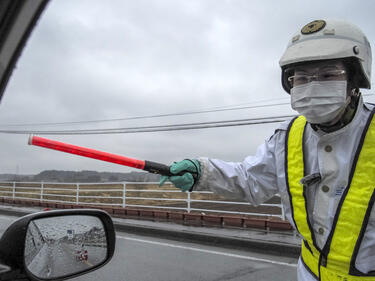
(140,258)
(60,259)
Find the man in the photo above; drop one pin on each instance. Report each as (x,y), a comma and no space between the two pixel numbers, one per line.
(321,163)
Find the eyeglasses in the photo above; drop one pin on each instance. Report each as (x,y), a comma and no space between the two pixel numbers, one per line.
(321,75)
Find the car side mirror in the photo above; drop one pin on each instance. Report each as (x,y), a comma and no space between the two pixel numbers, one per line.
(58,245)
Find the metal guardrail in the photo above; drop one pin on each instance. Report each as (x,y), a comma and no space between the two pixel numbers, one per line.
(123,194)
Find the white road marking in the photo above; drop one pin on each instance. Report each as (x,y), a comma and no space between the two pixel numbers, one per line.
(207,251)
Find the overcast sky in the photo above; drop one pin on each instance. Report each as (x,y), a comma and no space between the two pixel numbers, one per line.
(98,60)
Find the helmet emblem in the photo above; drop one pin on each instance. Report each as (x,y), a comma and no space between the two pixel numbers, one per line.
(313,27)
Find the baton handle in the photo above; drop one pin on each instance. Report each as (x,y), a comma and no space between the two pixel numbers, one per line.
(161,169)
(157,168)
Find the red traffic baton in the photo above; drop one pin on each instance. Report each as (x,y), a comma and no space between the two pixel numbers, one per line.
(149,166)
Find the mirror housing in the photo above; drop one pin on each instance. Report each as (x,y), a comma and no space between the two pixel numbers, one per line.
(12,243)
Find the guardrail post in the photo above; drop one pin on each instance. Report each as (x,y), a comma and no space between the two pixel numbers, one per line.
(14,190)
(124,195)
(282,212)
(77,194)
(41,191)
(188,202)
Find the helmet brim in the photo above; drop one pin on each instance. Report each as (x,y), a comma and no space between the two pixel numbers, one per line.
(318,49)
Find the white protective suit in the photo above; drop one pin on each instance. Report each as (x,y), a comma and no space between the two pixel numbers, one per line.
(260,177)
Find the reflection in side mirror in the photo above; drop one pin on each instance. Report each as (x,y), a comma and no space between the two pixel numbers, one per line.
(64,245)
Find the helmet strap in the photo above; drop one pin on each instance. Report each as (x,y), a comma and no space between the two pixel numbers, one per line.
(355,92)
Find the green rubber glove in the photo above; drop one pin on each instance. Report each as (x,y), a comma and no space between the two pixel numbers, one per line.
(189,171)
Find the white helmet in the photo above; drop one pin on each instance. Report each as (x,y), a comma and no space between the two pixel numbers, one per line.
(327,40)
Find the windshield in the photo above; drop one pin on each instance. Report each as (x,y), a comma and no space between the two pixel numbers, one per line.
(159,81)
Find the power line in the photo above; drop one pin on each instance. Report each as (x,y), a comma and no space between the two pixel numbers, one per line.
(209,110)
(158,128)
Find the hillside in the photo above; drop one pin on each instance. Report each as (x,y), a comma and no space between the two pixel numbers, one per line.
(82,176)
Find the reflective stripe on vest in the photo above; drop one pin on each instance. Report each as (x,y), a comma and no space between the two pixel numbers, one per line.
(336,261)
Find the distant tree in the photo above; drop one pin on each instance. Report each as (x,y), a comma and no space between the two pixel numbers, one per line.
(94,178)
(113,178)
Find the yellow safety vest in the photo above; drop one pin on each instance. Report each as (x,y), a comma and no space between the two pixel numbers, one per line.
(336,261)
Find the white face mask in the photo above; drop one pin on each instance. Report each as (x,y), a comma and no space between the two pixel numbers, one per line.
(319,101)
